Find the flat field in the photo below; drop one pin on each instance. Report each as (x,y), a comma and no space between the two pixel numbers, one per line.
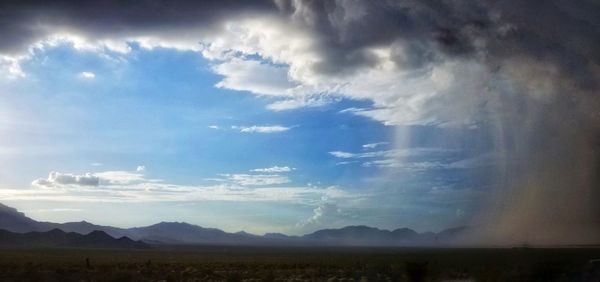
(301,264)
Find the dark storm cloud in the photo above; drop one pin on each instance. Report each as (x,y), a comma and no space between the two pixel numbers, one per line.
(25,22)
(565,32)
(424,25)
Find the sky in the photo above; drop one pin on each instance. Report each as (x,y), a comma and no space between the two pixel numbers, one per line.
(293,116)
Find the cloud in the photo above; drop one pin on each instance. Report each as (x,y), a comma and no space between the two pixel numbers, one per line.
(253,76)
(324,211)
(255,179)
(254,128)
(269,55)
(265,177)
(140,168)
(326,214)
(274,169)
(12,65)
(123,186)
(110,31)
(403,57)
(261,129)
(118,177)
(346,162)
(56,210)
(100,20)
(374,145)
(419,159)
(59,179)
(344,155)
(415,159)
(481,160)
(301,102)
(87,75)
(319,75)
(414,166)
(395,153)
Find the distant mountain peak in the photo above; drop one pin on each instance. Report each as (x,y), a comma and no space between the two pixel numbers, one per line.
(11,210)
(173,223)
(275,235)
(55,231)
(98,233)
(359,227)
(244,233)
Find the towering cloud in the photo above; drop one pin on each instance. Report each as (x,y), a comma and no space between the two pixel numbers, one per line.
(523,74)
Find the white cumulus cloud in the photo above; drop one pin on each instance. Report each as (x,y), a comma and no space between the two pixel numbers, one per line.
(254,76)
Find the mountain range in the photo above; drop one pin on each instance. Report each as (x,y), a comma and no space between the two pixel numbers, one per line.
(13,222)
(59,238)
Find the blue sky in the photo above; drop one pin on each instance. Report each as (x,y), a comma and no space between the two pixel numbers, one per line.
(78,112)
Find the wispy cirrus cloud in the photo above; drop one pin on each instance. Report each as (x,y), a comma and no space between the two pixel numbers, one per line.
(416,159)
(131,186)
(253,179)
(374,145)
(253,128)
(402,164)
(392,153)
(56,210)
(165,192)
(396,153)
(261,128)
(120,177)
(274,169)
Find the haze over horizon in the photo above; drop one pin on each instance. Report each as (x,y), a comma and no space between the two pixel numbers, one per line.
(293,116)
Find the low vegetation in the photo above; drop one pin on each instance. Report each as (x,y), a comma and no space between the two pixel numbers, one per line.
(299,264)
